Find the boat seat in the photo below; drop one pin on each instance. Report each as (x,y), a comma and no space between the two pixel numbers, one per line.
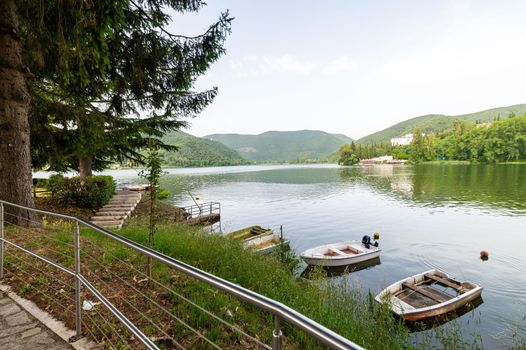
(432,294)
(337,251)
(351,250)
(446,282)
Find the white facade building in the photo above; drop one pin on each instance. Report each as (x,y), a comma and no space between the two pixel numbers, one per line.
(402,141)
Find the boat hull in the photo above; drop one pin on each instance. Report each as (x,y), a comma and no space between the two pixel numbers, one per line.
(442,310)
(315,256)
(410,313)
(341,262)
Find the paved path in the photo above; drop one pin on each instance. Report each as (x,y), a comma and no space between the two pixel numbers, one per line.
(19,330)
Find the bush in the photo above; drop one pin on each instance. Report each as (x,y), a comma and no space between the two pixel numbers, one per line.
(40,182)
(96,192)
(54,182)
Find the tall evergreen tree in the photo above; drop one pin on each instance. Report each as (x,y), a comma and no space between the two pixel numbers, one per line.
(88,65)
(146,92)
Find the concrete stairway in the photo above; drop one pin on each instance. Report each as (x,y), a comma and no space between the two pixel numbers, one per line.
(121,205)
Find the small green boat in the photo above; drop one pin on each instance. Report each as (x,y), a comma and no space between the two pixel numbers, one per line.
(261,240)
(249,233)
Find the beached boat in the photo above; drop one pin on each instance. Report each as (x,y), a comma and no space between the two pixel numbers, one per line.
(261,240)
(429,294)
(269,243)
(342,253)
(250,233)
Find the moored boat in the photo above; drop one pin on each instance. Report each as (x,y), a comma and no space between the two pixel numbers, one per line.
(341,253)
(261,240)
(250,233)
(427,295)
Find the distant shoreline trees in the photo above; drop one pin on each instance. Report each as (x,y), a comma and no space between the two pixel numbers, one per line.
(499,141)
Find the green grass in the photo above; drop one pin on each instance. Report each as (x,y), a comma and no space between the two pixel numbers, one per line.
(340,307)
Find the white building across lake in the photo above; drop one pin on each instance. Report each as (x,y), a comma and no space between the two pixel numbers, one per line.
(402,140)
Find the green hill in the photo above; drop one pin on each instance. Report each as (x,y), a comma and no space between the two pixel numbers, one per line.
(437,122)
(283,145)
(195,151)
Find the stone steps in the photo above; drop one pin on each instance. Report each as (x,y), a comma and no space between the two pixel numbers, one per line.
(119,208)
(110,212)
(107,218)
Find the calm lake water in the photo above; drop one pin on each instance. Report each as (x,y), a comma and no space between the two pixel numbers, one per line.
(428,216)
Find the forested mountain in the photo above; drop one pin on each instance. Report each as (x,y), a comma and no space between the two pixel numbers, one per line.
(194,151)
(284,146)
(436,122)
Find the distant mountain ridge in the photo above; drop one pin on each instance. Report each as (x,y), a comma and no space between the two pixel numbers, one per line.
(196,152)
(438,122)
(283,145)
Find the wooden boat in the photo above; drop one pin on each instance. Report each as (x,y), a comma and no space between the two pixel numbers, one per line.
(428,294)
(339,254)
(268,244)
(261,240)
(250,233)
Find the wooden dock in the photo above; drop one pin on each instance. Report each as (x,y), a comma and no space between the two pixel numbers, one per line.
(201,214)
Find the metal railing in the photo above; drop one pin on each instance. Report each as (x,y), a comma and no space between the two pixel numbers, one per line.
(203,209)
(279,311)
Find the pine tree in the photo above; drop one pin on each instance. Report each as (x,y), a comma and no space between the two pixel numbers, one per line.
(88,67)
(86,123)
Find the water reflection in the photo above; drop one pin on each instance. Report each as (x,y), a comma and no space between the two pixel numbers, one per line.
(497,186)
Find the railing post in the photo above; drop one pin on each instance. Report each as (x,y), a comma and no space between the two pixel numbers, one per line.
(78,310)
(277,335)
(1,240)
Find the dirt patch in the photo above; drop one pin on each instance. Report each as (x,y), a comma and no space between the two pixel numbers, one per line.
(45,203)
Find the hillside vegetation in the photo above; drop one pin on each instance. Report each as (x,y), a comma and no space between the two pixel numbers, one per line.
(194,151)
(436,122)
(498,141)
(283,146)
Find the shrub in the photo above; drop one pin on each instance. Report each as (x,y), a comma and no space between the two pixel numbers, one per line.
(55,182)
(40,182)
(96,192)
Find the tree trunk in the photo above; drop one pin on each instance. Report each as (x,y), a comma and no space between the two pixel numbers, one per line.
(15,158)
(85,169)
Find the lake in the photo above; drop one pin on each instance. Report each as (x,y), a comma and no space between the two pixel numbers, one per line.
(427,215)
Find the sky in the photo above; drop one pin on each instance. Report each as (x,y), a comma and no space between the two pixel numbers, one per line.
(357,67)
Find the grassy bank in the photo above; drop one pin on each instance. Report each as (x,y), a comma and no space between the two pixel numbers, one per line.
(337,306)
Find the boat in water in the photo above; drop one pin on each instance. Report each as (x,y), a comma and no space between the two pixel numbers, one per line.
(342,253)
(261,240)
(428,295)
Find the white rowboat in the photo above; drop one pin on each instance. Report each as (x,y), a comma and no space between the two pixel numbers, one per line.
(339,254)
(427,295)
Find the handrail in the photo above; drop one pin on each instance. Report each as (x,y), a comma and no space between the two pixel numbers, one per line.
(279,310)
